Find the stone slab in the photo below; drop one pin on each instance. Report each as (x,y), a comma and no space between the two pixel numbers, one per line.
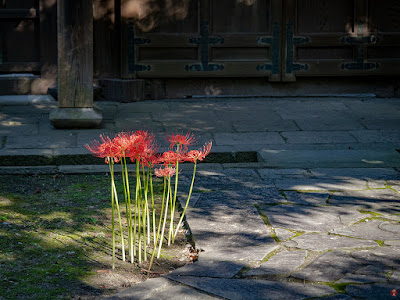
(17,129)
(321,185)
(360,173)
(376,136)
(329,123)
(29,170)
(265,125)
(387,256)
(317,137)
(39,142)
(384,201)
(328,267)
(323,242)
(159,288)
(248,138)
(281,263)
(307,198)
(246,237)
(331,158)
(225,179)
(395,277)
(240,197)
(267,174)
(373,123)
(216,269)
(283,234)
(377,291)
(256,289)
(358,278)
(310,218)
(19,100)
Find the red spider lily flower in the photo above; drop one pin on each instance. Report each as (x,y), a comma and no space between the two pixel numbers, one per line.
(123,142)
(171,157)
(181,140)
(142,147)
(106,149)
(198,155)
(166,172)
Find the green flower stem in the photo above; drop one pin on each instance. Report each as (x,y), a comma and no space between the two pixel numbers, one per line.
(137,210)
(112,213)
(165,217)
(157,235)
(129,205)
(119,216)
(129,219)
(147,213)
(153,208)
(187,201)
(173,203)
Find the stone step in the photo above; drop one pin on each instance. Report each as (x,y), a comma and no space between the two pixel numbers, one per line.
(375,158)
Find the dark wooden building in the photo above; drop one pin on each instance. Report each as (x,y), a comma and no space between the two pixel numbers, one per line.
(173,48)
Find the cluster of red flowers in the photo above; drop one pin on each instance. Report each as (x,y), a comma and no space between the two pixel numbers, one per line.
(140,146)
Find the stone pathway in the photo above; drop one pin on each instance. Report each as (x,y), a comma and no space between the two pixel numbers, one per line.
(289,234)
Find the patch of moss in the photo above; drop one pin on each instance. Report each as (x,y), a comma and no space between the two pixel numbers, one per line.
(266,221)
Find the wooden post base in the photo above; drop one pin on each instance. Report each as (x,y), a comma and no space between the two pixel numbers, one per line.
(68,118)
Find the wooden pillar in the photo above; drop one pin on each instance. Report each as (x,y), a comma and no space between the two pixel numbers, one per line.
(75,66)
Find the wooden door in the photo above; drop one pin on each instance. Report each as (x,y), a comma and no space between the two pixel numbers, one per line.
(340,38)
(19,36)
(224,38)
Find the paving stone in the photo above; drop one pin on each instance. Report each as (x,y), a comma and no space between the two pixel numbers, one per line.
(317,137)
(29,170)
(248,115)
(381,124)
(384,201)
(337,297)
(329,123)
(377,291)
(387,256)
(216,269)
(328,267)
(373,230)
(303,158)
(395,277)
(85,169)
(255,289)
(20,100)
(283,234)
(350,173)
(225,179)
(307,198)
(143,107)
(265,125)
(246,237)
(267,174)
(248,138)
(322,242)
(39,142)
(321,185)
(376,136)
(310,218)
(395,243)
(376,183)
(15,129)
(281,263)
(239,198)
(159,288)
(361,278)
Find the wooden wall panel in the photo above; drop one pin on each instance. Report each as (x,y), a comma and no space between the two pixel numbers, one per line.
(242,16)
(317,16)
(384,16)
